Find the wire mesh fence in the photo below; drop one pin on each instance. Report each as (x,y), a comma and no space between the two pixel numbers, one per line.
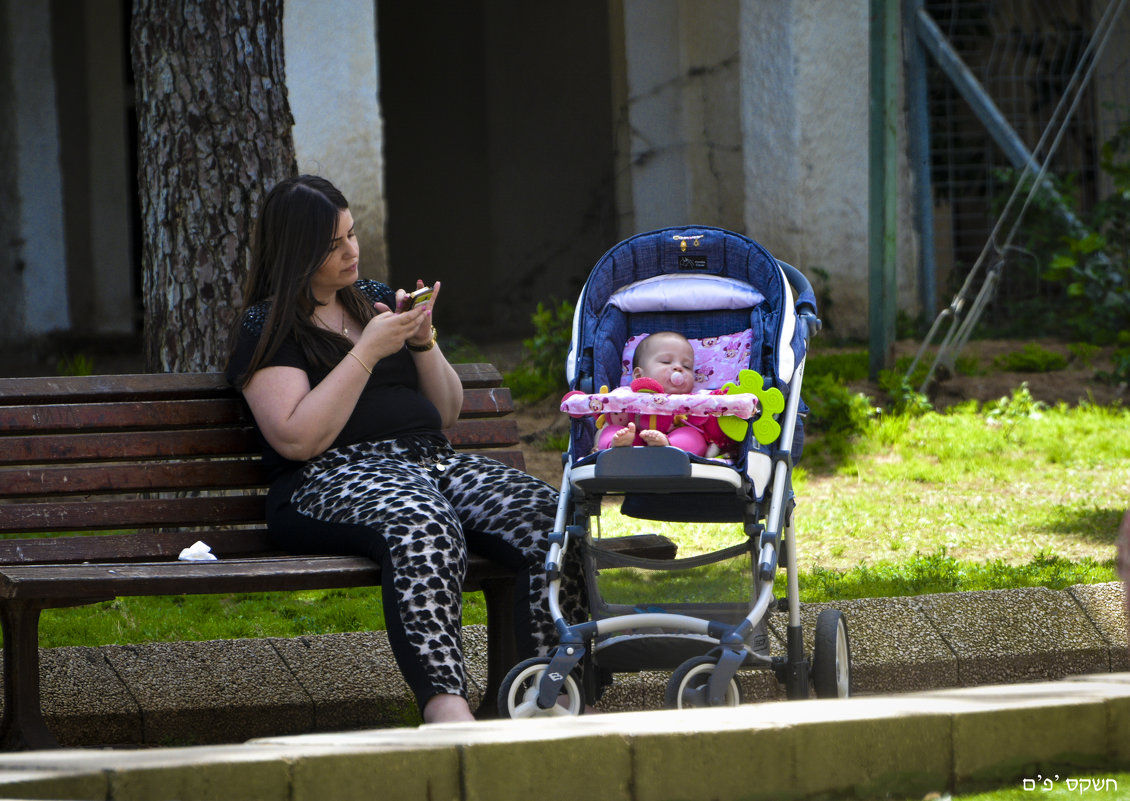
(1025,53)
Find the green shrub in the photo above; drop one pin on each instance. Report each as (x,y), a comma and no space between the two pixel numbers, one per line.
(1120,373)
(905,400)
(834,409)
(75,365)
(1031,359)
(458,349)
(1083,352)
(843,366)
(542,371)
(1095,267)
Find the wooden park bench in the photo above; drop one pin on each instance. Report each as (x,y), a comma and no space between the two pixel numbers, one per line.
(122,472)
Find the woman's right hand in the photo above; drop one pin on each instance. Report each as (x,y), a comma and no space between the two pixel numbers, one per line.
(386,333)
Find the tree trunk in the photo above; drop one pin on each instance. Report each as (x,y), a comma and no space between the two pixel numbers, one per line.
(214,134)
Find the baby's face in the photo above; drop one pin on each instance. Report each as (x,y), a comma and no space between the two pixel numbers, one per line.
(670,361)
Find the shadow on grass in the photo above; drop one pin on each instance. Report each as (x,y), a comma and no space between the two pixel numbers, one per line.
(1098,526)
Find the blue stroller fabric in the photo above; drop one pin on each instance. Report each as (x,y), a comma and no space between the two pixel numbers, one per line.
(748,289)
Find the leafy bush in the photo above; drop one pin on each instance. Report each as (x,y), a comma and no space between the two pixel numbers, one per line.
(1095,267)
(1121,357)
(542,371)
(843,366)
(904,398)
(1031,359)
(75,365)
(834,409)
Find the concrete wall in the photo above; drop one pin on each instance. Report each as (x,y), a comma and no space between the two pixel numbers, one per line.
(92,100)
(332,81)
(36,299)
(111,243)
(498,144)
(541,135)
(11,304)
(680,102)
(804,107)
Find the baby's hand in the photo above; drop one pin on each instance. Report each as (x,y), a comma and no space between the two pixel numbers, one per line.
(653,437)
(625,436)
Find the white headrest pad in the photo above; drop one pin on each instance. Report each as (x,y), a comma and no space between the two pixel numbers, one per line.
(695,292)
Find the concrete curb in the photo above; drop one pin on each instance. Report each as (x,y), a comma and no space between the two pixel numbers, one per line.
(231,691)
(902,746)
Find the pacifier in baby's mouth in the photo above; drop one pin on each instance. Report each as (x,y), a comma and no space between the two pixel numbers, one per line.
(678,379)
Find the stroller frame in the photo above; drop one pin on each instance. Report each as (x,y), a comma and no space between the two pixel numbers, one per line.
(538,686)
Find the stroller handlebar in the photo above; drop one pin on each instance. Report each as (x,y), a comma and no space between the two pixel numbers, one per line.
(806,298)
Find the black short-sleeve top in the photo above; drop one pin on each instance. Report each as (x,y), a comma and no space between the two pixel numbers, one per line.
(390,406)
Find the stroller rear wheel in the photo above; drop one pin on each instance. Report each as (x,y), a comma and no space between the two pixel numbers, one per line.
(518,695)
(689,685)
(831,656)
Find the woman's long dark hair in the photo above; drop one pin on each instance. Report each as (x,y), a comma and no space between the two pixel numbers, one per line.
(293,236)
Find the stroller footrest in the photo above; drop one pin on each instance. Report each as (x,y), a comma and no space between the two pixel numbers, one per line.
(651,469)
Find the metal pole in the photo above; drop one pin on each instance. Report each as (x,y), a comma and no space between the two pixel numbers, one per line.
(918,124)
(883,191)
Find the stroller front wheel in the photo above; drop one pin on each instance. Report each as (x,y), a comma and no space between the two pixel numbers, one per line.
(689,685)
(518,695)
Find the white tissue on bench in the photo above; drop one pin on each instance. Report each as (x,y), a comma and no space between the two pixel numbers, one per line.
(197,552)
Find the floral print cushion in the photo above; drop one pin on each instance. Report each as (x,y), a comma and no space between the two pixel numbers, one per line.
(623,399)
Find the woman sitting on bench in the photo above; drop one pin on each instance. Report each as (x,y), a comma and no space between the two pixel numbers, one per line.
(350,392)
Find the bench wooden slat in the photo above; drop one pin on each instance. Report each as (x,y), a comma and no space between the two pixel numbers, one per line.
(130,513)
(145,546)
(492,402)
(483,433)
(162,414)
(123,416)
(199,443)
(513,458)
(126,477)
(167,386)
(128,445)
(104,388)
(52,582)
(174,577)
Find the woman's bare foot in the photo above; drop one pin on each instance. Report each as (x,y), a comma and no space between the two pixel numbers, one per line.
(445,708)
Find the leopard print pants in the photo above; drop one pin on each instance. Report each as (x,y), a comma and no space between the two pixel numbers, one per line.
(419,504)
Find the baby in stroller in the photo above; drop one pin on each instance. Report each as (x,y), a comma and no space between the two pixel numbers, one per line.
(664,362)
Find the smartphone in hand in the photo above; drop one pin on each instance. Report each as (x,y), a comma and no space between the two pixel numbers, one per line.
(412,298)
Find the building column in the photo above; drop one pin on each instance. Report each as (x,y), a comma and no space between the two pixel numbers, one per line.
(804,112)
(678,115)
(332,81)
(35,299)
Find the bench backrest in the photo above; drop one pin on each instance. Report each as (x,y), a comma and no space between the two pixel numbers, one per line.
(150,461)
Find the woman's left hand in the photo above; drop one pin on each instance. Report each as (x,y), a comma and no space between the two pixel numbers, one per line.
(423,334)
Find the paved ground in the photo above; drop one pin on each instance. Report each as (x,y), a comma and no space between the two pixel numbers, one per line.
(889,746)
(231,691)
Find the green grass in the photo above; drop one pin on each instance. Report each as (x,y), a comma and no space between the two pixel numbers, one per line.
(1010,495)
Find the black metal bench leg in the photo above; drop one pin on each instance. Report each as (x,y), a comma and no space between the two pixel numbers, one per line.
(22,725)
(502,649)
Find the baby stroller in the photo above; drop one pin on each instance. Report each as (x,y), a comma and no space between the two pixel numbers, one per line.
(712,286)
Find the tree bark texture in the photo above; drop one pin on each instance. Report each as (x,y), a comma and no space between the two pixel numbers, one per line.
(214,134)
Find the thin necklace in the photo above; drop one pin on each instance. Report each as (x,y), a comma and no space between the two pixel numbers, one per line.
(344,330)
